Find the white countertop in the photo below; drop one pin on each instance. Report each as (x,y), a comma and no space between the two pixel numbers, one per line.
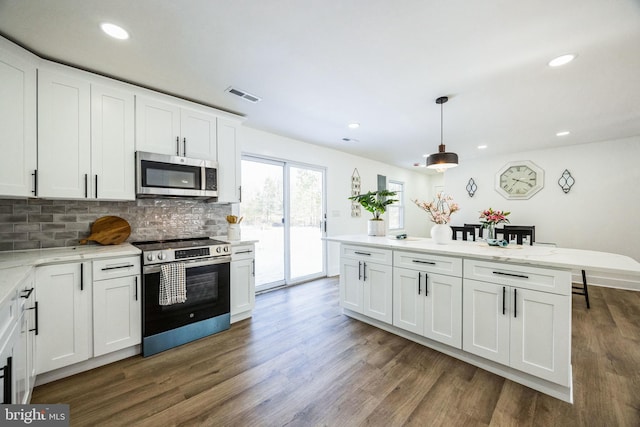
(545,256)
(16,265)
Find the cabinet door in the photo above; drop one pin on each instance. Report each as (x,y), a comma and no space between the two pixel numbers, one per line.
(112,144)
(228,162)
(8,343)
(17,125)
(351,284)
(243,294)
(63,293)
(443,309)
(408,300)
(378,291)
(198,133)
(541,334)
(64,147)
(157,126)
(116,314)
(486,321)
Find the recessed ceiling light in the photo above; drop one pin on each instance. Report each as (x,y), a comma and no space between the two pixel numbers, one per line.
(354,125)
(562,60)
(563,133)
(482,147)
(114,31)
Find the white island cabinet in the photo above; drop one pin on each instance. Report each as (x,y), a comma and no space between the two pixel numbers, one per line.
(519,316)
(365,282)
(427,296)
(506,310)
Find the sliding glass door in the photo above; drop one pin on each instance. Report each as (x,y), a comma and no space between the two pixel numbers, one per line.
(283,205)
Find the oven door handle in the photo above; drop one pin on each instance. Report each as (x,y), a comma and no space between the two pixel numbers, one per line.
(189,264)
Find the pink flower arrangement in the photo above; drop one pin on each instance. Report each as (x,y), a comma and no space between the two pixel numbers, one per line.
(493,217)
(440,209)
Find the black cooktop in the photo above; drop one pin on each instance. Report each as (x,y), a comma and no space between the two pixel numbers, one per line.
(192,242)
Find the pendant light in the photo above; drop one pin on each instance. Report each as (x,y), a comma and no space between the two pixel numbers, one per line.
(442,160)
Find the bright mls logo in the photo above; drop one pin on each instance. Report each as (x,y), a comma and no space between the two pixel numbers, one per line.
(34,415)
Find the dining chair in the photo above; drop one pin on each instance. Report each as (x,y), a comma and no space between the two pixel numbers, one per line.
(477,227)
(520,232)
(466,232)
(576,290)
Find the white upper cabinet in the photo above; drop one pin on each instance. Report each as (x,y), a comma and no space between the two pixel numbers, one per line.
(157,126)
(64,135)
(18,161)
(86,138)
(229,190)
(166,127)
(112,143)
(198,131)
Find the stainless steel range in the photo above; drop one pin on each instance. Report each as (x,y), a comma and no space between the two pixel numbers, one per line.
(206,308)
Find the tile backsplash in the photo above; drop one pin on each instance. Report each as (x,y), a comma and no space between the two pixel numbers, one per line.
(38,223)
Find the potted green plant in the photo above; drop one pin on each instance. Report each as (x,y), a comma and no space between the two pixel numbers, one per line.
(375,202)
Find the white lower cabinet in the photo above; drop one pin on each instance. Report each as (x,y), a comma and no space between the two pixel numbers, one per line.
(509,323)
(117,317)
(63,294)
(426,303)
(243,281)
(366,285)
(86,310)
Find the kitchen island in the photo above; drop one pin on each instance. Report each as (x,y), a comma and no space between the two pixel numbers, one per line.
(506,310)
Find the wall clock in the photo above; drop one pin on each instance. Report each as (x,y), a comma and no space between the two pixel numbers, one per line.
(519,180)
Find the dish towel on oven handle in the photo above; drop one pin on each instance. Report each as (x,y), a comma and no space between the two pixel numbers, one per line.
(173,283)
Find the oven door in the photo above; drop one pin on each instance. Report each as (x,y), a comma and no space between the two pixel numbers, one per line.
(208,296)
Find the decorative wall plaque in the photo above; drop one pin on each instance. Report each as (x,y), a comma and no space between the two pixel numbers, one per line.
(355,190)
(566,181)
(471,187)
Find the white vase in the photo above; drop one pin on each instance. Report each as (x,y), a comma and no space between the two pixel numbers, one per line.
(376,227)
(233,232)
(441,233)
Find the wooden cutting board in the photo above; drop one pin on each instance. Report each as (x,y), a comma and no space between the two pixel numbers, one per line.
(109,230)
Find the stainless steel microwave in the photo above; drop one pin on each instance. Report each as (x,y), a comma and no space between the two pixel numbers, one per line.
(161,175)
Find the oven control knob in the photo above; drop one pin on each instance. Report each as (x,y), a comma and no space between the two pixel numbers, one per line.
(226,249)
(151,257)
(218,249)
(161,255)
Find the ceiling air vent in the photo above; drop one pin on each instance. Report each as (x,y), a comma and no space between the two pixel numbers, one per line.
(242,94)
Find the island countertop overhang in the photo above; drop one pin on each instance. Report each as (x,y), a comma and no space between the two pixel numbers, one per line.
(541,256)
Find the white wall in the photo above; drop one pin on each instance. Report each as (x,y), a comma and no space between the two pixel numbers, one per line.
(340,167)
(601,212)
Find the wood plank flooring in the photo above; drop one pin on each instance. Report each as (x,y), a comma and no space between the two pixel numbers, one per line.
(300,362)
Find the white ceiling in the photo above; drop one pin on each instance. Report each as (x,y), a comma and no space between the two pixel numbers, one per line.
(319,65)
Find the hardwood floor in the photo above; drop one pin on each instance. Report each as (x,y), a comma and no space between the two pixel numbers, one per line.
(300,362)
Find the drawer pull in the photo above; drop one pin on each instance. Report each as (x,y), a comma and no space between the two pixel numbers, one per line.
(244,252)
(117,267)
(35,307)
(362,253)
(522,276)
(418,261)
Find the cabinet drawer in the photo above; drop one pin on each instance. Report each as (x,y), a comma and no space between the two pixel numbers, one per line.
(430,263)
(382,256)
(242,252)
(116,267)
(535,278)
